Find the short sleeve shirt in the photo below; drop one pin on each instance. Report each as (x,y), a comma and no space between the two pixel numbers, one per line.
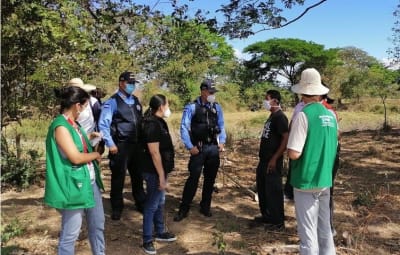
(271,137)
(155,130)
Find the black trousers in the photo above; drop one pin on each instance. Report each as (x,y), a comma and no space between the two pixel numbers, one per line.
(270,192)
(288,189)
(334,172)
(207,161)
(128,157)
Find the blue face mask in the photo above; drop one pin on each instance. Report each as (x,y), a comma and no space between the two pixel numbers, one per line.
(129,88)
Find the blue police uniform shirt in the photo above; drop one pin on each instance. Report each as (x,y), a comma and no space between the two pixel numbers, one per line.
(107,111)
(187,115)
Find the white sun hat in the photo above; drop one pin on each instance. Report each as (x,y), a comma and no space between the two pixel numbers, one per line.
(77,82)
(310,84)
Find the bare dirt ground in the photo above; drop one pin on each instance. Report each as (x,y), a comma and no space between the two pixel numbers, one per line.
(367,215)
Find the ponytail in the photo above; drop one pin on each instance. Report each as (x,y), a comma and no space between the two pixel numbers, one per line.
(155,102)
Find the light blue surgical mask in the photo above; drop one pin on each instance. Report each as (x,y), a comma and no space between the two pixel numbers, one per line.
(129,88)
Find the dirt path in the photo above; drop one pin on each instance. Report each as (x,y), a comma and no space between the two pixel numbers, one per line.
(369,175)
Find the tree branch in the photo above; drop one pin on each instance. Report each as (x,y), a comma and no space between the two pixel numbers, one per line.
(295,19)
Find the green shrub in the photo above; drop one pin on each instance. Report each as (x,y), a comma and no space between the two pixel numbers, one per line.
(219,242)
(394,109)
(16,170)
(365,198)
(377,109)
(13,229)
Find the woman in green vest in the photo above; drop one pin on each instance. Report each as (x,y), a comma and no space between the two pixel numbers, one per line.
(73,181)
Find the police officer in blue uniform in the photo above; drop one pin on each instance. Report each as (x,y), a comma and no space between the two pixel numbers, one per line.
(120,123)
(203,134)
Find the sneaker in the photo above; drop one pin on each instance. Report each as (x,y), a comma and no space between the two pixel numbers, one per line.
(149,248)
(165,237)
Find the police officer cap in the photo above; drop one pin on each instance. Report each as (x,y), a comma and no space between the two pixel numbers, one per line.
(208,85)
(128,76)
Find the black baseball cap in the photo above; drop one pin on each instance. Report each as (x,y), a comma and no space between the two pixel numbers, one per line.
(208,85)
(128,76)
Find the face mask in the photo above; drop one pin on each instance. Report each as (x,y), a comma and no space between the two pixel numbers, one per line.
(167,113)
(211,98)
(129,88)
(83,114)
(267,105)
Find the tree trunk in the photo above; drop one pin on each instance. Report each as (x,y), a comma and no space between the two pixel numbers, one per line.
(385,125)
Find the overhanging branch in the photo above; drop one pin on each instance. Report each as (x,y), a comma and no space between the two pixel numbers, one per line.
(295,19)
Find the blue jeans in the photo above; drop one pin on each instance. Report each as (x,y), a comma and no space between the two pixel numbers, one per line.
(313,224)
(153,207)
(71,222)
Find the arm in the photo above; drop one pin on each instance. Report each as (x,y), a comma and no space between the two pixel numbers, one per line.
(293,154)
(282,128)
(297,136)
(221,125)
(185,126)
(107,111)
(67,145)
(154,149)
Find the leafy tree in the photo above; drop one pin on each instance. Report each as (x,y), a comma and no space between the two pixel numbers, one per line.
(286,58)
(394,52)
(346,75)
(188,52)
(381,83)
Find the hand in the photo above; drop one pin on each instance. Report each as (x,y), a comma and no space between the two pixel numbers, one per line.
(113,150)
(94,135)
(271,165)
(98,158)
(221,147)
(163,184)
(194,151)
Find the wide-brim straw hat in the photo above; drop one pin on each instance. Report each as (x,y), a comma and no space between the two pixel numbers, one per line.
(310,84)
(77,82)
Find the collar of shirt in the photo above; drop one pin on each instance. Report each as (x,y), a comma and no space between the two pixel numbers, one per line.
(201,103)
(127,99)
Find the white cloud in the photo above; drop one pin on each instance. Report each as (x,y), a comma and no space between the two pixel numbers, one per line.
(242,56)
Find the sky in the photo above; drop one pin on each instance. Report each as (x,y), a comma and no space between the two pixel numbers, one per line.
(364,24)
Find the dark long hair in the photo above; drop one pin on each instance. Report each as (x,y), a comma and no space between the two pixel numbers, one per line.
(69,96)
(155,102)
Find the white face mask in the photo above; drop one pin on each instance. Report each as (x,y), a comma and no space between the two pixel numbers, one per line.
(83,115)
(267,105)
(167,113)
(211,98)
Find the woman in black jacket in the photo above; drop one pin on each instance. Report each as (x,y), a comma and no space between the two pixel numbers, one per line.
(158,161)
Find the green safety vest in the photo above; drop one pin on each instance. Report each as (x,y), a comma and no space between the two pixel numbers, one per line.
(313,169)
(68,186)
